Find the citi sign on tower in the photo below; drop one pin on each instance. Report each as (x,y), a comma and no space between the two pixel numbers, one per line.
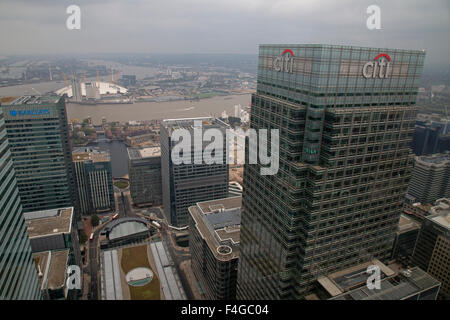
(380,67)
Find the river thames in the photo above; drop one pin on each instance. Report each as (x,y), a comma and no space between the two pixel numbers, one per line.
(157,110)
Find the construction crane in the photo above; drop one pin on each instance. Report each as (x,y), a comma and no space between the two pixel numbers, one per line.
(116,80)
(65,79)
(98,78)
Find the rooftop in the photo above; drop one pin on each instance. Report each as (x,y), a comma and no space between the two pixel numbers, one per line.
(440,159)
(398,287)
(94,156)
(440,213)
(188,123)
(347,279)
(140,153)
(406,224)
(218,222)
(29,100)
(49,222)
(52,267)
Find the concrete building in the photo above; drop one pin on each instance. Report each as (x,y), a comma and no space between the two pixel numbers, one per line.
(432,251)
(52,269)
(94,181)
(214,245)
(54,229)
(40,147)
(144,170)
(411,284)
(431,178)
(346,117)
(18,275)
(186,184)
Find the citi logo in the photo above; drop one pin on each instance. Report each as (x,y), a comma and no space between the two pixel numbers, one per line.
(376,68)
(284,63)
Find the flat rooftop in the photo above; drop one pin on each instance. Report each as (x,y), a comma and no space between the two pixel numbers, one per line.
(406,224)
(218,222)
(399,287)
(29,100)
(440,213)
(91,156)
(440,159)
(142,153)
(49,222)
(188,123)
(52,267)
(347,279)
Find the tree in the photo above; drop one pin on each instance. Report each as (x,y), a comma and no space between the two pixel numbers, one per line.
(94,220)
(83,237)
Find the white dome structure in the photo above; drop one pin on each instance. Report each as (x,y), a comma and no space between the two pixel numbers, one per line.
(103,88)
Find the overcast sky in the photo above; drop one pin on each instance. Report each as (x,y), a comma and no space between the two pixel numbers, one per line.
(220,26)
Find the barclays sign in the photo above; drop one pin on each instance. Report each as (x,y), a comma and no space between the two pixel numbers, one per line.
(29,112)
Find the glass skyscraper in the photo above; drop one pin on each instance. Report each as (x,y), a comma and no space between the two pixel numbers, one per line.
(39,140)
(18,275)
(346,118)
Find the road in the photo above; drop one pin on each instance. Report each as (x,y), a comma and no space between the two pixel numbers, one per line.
(94,250)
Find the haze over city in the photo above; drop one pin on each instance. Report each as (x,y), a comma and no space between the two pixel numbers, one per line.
(219,26)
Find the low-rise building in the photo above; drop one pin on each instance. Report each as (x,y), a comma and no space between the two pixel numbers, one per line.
(54,229)
(52,272)
(214,244)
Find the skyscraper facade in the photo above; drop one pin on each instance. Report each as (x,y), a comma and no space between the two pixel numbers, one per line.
(18,275)
(183,185)
(430,179)
(346,119)
(94,181)
(39,140)
(144,167)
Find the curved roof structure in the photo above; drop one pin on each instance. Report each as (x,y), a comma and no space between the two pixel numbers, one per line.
(124,227)
(104,88)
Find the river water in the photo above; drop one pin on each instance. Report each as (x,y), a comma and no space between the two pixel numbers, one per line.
(157,110)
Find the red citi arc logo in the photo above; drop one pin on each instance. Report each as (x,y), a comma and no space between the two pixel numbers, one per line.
(284,63)
(376,68)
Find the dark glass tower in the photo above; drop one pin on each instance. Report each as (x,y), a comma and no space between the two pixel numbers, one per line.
(18,275)
(39,141)
(346,119)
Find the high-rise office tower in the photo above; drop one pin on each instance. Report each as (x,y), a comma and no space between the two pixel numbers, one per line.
(39,142)
(183,185)
(144,167)
(18,275)
(346,119)
(94,181)
(430,179)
